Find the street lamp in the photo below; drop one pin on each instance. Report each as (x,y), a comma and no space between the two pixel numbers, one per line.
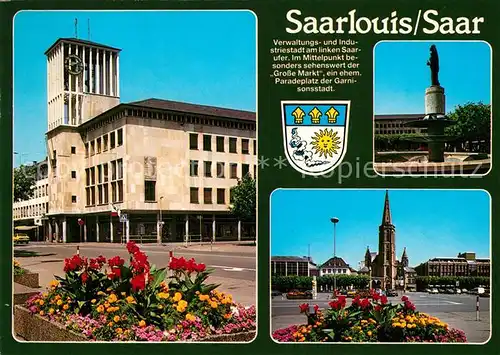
(334,220)
(160,223)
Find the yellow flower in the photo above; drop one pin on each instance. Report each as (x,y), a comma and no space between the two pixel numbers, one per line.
(204,297)
(142,324)
(51,311)
(65,307)
(162,295)
(58,297)
(364,321)
(177,297)
(116,319)
(100,308)
(180,308)
(45,295)
(42,313)
(100,293)
(395,325)
(41,302)
(59,302)
(123,295)
(106,304)
(110,324)
(369,333)
(213,304)
(54,283)
(119,330)
(112,298)
(183,303)
(190,317)
(93,300)
(160,306)
(130,299)
(227,315)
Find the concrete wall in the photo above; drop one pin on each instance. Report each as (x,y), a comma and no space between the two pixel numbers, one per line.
(94,105)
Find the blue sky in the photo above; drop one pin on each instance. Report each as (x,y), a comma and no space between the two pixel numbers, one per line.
(207,58)
(401,74)
(429,223)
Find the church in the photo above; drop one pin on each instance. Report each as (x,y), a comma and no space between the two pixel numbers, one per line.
(384,270)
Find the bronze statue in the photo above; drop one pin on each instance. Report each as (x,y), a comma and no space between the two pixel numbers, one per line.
(433,63)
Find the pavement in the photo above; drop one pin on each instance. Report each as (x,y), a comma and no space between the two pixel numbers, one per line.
(459,311)
(234,264)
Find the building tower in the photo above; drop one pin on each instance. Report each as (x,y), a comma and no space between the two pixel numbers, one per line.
(387,246)
(404,258)
(82,82)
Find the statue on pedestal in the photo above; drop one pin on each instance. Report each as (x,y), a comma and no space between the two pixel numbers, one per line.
(433,63)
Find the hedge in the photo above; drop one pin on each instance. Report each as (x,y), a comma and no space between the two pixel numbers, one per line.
(287,283)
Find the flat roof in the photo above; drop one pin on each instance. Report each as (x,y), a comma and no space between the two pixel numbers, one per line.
(80,41)
(402,116)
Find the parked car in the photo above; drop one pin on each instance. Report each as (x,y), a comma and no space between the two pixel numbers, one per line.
(457,291)
(276,293)
(295,294)
(464,290)
(434,291)
(21,238)
(351,293)
(392,293)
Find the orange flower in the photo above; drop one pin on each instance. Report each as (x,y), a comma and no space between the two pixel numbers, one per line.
(65,307)
(142,324)
(116,319)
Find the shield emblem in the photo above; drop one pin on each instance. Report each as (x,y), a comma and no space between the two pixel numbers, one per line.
(315,134)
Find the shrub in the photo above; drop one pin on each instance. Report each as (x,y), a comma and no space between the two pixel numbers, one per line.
(18,270)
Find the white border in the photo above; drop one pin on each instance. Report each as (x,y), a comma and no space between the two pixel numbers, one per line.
(256,180)
(346,131)
(373,189)
(491,111)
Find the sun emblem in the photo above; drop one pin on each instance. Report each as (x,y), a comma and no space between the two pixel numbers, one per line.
(326,142)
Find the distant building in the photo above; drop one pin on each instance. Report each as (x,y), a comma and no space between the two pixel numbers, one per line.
(337,266)
(293,265)
(395,124)
(464,264)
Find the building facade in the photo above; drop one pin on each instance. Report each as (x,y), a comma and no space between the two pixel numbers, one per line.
(385,271)
(166,167)
(395,124)
(293,266)
(465,264)
(336,265)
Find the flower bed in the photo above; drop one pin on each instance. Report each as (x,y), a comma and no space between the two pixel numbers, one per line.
(368,320)
(106,300)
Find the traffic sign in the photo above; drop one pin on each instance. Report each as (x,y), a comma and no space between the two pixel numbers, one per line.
(123,218)
(81,222)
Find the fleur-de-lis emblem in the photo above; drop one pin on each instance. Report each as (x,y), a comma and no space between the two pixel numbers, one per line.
(332,114)
(298,115)
(315,114)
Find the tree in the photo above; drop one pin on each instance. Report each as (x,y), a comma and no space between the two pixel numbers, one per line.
(24,179)
(473,123)
(243,204)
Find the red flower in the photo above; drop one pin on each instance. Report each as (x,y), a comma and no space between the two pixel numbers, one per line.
(85,277)
(138,282)
(304,307)
(140,262)
(115,273)
(365,303)
(378,308)
(383,299)
(409,306)
(404,298)
(375,295)
(342,301)
(200,267)
(316,308)
(74,263)
(132,247)
(116,262)
(356,301)
(177,264)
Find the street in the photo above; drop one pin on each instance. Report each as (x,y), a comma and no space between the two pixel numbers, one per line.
(234,265)
(459,311)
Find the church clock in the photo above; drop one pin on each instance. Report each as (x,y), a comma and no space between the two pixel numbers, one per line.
(74,64)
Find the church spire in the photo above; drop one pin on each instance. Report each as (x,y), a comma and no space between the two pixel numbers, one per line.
(386,217)
(404,258)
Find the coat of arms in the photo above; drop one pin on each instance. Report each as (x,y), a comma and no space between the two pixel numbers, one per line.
(315,134)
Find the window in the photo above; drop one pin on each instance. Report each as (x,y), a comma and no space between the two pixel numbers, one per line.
(255,171)
(221,196)
(106,193)
(220,170)
(73,199)
(99,174)
(208,169)
(245,170)
(87,177)
(92,195)
(220,144)
(112,140)
(194,195)
(207,143)
(113,170)
(73,150)
(232,145)
(92,148)
(207,195)
(193,168)
(245,148)
(119,165)
(113,192)
(120,137)
(120,191)
(99,194)
(150,191)
(92,176)
(193,141)
(86,150)
(87,193)
(105,143)
(73,174)
(105,172)
(234,171)
(231,195)
(254,147)
(98,145)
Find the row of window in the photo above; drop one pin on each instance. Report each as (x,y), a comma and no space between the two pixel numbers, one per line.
(334,271)
(207,195)
(220,144)
(99,194)
(31,211)
(221,169)
(103,170)
(397,131)
(285,268)
(100,144)
(41,191)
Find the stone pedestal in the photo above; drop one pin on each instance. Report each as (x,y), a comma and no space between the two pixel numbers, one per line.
(434,100)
